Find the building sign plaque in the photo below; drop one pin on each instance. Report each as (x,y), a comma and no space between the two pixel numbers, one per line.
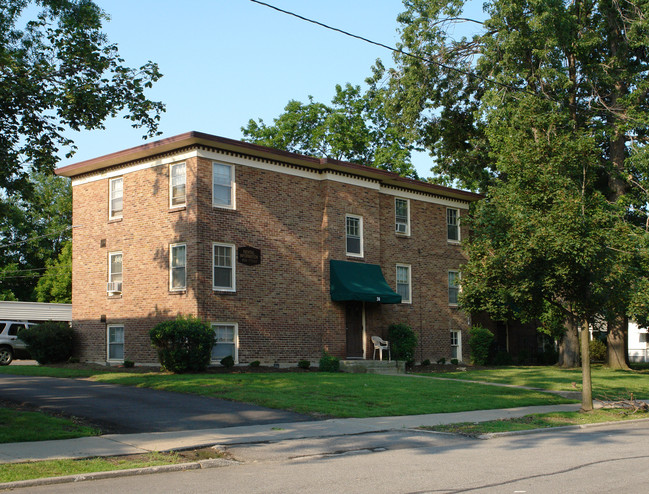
(249,256)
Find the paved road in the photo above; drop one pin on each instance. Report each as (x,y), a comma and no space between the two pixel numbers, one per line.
(125,410)
(609,459)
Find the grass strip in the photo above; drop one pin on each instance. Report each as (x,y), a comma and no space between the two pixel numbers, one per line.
(320,394)
(11,472)
(538,421)
(607,383)
(21,426)
(339,394)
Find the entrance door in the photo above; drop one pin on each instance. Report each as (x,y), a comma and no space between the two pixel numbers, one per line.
(354,324)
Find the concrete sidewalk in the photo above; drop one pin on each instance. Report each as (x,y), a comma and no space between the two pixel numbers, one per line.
(125,444)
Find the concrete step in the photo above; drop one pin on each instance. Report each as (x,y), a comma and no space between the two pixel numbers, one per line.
(372,366)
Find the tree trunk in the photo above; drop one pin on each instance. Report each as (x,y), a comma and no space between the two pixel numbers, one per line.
(569,347)
(616,340)
(586,383)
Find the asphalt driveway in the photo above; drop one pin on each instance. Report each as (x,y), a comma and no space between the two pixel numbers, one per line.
(122,409)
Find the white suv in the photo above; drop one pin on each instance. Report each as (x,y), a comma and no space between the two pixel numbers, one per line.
(11,346)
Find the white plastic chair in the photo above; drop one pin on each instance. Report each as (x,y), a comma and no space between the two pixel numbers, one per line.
(379,345)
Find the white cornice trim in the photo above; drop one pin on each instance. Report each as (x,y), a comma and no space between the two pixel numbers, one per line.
(273,166)
(423,197)
(135,167)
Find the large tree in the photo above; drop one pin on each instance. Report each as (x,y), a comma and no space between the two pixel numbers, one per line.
(546,239)
(58,72)
(56,283)
(33,230)
(589,59)
(355,128)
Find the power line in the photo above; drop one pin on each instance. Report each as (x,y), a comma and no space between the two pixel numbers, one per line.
(2,246)
(388,47)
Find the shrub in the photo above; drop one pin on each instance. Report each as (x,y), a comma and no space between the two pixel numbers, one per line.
(73,360)
(183,345)
(227,362)
(503,358)
(304,364)
(402,342)
(48,342)
(129,363)
(441,361)
(480,340)
(426,362)
(329,363)
(454,361)
(255,363)
(548,356)
(523,358)
(597,350)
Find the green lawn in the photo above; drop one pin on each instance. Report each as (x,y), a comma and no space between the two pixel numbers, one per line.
(326,394)
(538,421)
(20,426)
(606,383)
(341,395)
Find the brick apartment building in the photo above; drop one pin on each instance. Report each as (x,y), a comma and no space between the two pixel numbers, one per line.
(285,255)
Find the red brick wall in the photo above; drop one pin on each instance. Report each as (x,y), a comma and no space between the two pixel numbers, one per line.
(430,257)
(143,236)
(282,306)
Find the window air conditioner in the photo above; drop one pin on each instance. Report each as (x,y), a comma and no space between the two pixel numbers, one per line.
(114,287)
(402,227)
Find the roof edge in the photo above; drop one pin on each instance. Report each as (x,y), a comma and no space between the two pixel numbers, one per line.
(200,138)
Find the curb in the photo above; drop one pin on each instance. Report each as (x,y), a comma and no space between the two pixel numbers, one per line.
(493,435)
(196,465)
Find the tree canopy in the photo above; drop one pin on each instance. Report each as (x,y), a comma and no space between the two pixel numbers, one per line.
(59,72)
(545,110)
(33,232)
(353,128)
(589,57)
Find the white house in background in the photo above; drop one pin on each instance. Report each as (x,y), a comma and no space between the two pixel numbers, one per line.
(35,311)
(638,349)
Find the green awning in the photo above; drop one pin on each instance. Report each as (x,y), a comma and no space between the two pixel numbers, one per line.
(360,281)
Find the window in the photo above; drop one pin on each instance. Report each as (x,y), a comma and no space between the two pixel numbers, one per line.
(354,234)
(402,216)
(222,185)
(453,224)
(225,341)
(403,283)
(177,181)
(453,287)
(178,267)
(114,272)
(223,267)
(456,344)
(116,198)
(116,343)
(15,328)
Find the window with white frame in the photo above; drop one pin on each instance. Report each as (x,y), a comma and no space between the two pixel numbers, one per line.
(453,224)
(225,341)
(402,216)
(114,272)
(223,267)
(177,185)
(223,191)
(354,235)
(453,287)
(178,267)
(115,342)
(456,344)
(116,202)
(403,283)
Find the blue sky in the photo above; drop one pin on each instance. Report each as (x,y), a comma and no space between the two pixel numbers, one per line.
(226,61)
